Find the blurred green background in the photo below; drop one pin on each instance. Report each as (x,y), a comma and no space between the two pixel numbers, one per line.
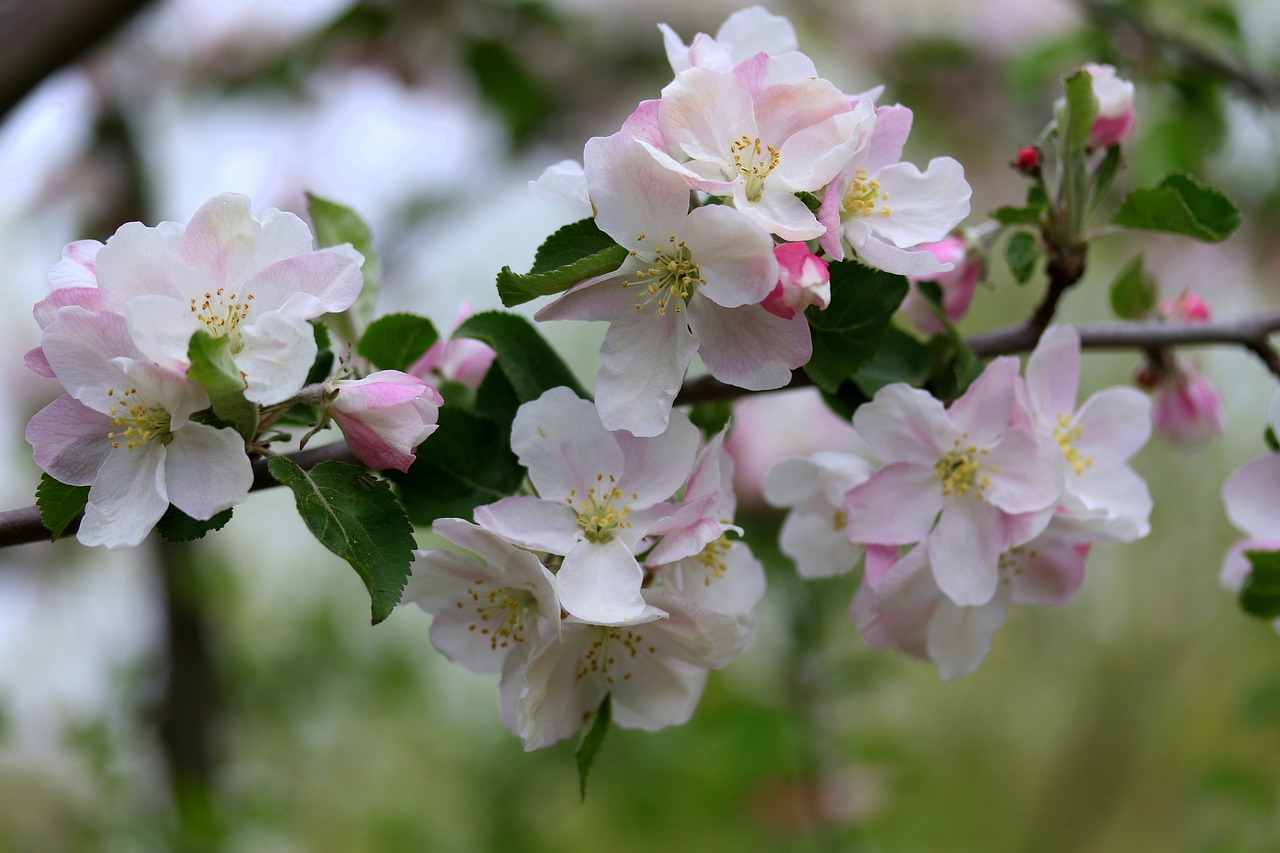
(232,696)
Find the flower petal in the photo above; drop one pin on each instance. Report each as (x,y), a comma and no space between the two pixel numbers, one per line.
(207,470)
(964,550)
(896,506)
(600,583)
(749,347)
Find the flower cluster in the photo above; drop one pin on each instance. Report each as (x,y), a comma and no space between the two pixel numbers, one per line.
(628,538)
(715,189)
(137,424)
(958,512)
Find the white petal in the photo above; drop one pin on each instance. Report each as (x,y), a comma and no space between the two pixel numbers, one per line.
(748,346)
(127,498)
(964,550)
(207,470)
(600,583)
(960,637)
(560,439)
(642,365)
(1053,374)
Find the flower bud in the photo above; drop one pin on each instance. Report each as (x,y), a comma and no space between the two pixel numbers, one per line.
(1028,160)
(1115,120)
(461,360)
(1188,308)
(803,280)
(385,416)
(1186,409)
(957,286)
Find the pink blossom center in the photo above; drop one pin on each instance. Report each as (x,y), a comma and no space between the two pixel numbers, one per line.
(961,471)
(672,275)
(754,162)
(864,195)
(142,421)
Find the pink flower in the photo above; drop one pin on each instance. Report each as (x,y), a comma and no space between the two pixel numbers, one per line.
(385,416)
(461,360)
(957,285)
(1185,408)
(1115,120)
(804,280)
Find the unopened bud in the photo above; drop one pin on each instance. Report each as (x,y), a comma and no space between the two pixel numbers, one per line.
(1028,160)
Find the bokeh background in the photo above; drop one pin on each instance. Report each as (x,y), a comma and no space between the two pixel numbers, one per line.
(232,696)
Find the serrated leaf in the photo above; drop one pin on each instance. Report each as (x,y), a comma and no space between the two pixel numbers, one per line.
(1133,293)
(176,526)
(516,289)
(214,370)
(396,341)
(572,243)
(849,332)
(59,504)
(356,516)
(336,224)
(592,740)
(1009,215)
(1022,252)
(1260,594)
(1180,204)
(524,356)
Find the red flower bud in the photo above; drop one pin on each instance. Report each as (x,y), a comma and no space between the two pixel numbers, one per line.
(1028,160)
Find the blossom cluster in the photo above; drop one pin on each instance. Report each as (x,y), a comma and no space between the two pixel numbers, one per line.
(730,192)
(616,577)
(956,513)
(142,430)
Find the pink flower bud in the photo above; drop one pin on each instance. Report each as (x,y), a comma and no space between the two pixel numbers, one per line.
(957,286)
(1115,119)
(1028,160)
(1188,308)
(1186,409)
(460,360)
(804,280)
(385,416)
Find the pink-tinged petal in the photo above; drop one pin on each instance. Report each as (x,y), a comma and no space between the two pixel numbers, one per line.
(983,412)
(632,193)
(385,416)
(643,125)
(655,468)
(642,365)
(685,532)
(127,498)
(703,113)
(1252,497)
(960,637)
(815,155)
(207,470)
(1053,374)
(600,583)
(162,327)
(76,269)
(754,30)
(832,239)
(80,347)
(1049,572)
(817,542)
(893,126)
(878,253)
(896,506)
(277,355)
(880,559)
(443,584)
(532,522)
(903,628)
(596,299)
(36,361)
(222,238)
(1027,472)
(138,260)
(69,440)
(692,633)
(1114,425)
(964,550)
(908,582)
(563,182)
(734,255)
(1121,495)
(733,588)
(559,438)
(332,276)
(925,206)
(749,347)
(905,424)
(87,298)
(551,698)
(778,211)
(1021,528)
(1187,410)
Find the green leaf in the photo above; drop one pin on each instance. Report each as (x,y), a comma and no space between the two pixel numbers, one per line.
(1260,594)
(1133,293)
(495,399)
(1180,204)
(176,526)
(1022,252)
(849,333)
(570,244)
(466,462)
(526,358)
(515,289)
(506,82)
(711,418)
(845,400)
(396,341)
(336,224)
(213,369)
(356,516)
(901,358)
(810,200)
(592,740)
(59,504)
(1009,215)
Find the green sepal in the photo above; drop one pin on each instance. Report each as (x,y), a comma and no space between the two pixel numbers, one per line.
(1133,293)
(1009,215)
(591,742)
(59,504)
(1180,204)
(1260,594)
(848,334)
(1076,113)
(576,252)
(176,526)
(523,355)
(1022,253)
(396,341)
(356,516)
(214,370)
(336,224)
(1106,174)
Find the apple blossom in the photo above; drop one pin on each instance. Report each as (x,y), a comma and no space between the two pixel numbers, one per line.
(599,494)
(384,416)
(254,282)
(124,429)
(965,480)
(743,34)
(692,283)
(461,360)
(1185,406)
(1115,120)
(957,285)
(804,280)
(813,488)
